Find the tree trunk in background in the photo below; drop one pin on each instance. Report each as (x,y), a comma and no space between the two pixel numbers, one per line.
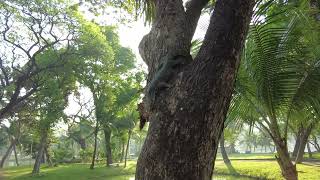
(107,137)
(82,142)
(122,151)
(232,148)
(304,140)
(95,146)
(225,157)
(15,155)
(288,169)
(39,156)
(127,149)
(187,118)
(8,153)
(309,150)
(49,161)
(315,143)
(296,146)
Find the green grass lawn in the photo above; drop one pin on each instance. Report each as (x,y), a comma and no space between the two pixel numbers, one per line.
(249,156)
(260,169)
(267,169)
(262,156)
(71,172)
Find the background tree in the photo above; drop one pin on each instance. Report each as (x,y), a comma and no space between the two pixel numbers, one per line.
(12,134)
(51,100)
(20,64)
(274,82)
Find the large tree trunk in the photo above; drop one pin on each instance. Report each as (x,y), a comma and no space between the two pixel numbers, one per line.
(288,169)
(107,137)
(15,155)
(187,118)
(225,157)
(127,149)
(95,146)
(8,153)
(39,156)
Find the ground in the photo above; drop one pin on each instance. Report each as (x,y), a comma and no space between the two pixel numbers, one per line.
(264,168)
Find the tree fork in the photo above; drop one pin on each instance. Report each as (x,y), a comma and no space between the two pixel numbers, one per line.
(188,116)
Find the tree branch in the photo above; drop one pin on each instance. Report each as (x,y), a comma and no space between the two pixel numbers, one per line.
(227,30)
(193,12)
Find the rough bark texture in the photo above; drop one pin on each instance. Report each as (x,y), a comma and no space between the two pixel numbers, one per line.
(39,157)
(127,149)
(288,169)
(187,117)
(107,137)
(7,154)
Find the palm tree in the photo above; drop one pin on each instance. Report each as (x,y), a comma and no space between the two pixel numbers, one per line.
(277,80)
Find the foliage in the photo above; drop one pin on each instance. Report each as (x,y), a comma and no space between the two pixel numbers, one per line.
(49,29)
(61,155)
(86,154)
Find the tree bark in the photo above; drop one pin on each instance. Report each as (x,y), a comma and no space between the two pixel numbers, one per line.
(296,145)
(304,140)
(309,150)
(15,155)
(8,153)
(107,137)
(288,169)
(225,157)
(95,146)
(82,142)
(315,143)
(232,148)
(39,156)
(187,118)
(122,151)
(127,149)
(49,161)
